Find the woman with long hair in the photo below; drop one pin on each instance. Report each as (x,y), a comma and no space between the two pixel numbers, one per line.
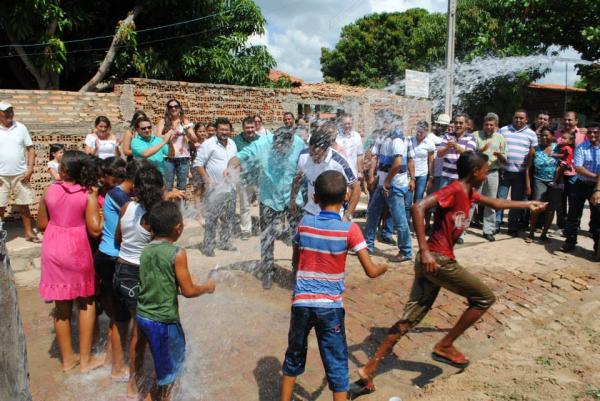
(182,133)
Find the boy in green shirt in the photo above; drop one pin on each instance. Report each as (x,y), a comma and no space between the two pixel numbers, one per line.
(164,271)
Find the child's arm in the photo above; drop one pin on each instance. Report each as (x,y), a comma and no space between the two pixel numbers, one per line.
(93,220)
(184,279)
(42,217)
(54,174)
(118,233)
(418,211)
(496,203)
(371,269)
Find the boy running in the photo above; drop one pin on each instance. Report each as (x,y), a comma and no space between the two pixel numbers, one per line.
(164,272)
(436,265)
(320,248)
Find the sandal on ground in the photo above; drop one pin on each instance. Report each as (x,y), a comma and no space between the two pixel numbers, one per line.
(35,240)
(123,378)
(460,361)
(361,387)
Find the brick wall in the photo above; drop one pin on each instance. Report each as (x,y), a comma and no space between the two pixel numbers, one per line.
(58,117)
(66,117)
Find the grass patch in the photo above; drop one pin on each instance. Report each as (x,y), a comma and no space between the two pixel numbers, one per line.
(593,394)
(544,361)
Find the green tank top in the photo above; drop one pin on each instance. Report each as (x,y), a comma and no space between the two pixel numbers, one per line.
(158,286)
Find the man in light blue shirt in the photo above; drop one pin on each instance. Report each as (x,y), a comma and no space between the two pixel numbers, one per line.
(274,158)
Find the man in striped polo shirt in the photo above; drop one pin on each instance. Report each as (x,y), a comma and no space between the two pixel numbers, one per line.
(453,145)
(587,166)
(520,142)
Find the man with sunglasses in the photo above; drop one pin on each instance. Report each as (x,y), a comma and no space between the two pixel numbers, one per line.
(148,146)
(17,157)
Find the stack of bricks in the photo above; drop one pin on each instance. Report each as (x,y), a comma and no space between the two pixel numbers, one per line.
(58,117)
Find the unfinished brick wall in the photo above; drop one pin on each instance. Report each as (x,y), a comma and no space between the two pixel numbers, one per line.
(58,117)
(66,117)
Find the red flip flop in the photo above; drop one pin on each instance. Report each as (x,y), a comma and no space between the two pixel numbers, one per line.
(460,362)
(361,387)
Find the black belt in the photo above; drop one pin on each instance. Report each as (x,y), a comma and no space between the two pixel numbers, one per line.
(386,169)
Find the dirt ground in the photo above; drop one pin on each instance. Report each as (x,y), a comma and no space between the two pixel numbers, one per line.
(541,341)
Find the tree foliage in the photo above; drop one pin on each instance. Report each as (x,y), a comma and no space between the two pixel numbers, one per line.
(211,49)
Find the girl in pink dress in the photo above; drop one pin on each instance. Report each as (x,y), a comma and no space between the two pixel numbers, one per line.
(67,212)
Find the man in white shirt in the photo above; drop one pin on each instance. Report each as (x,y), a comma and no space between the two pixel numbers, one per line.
(351,142)
(211,162)
(320,157)
(15,168)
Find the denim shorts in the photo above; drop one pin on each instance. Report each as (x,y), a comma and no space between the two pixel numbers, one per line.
(331,336)
(167,344)
(105,273)
(126,284)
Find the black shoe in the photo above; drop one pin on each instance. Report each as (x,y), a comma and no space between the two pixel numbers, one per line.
(489,237)
(460,241)
(389,241)
(267,281)
(497,231)
(513,233)
(476,224)
(566,247)
(208,252)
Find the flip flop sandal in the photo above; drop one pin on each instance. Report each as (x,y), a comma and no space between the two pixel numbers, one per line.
(460,362)
(361,387)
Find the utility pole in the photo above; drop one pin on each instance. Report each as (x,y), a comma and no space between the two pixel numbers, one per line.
(450,57)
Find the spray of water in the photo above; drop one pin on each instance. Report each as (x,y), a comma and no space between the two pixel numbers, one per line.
(468,76)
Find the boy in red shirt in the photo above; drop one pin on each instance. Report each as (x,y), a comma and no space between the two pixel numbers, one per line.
(436,265)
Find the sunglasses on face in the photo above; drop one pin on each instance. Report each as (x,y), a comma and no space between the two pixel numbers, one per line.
(173,106)
(145,128)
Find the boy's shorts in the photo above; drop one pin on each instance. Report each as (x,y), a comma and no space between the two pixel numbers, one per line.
(449,275)
(167,344)
(126,283)
(331,336)
(22,191)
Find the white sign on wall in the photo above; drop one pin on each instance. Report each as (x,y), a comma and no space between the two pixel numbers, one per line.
(416,84)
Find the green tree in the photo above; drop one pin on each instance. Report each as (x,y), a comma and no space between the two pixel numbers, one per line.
(212,48)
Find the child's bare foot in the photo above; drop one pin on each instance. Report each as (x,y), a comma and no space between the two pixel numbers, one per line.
(133,392)
(70,363)
(449,355)
(91,364)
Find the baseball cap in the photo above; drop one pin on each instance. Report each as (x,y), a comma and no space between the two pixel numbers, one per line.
(5,106)
(443,119)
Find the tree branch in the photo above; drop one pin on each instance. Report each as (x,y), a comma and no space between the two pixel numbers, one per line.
(92,84)
(33,70)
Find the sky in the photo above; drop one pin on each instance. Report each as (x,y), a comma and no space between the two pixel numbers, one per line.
(298,29)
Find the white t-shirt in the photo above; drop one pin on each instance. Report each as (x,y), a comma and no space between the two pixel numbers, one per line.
(352,145)
(106,147)
(13,142)
(311,170)
(214,157)
(386,151)
(53,164)
(438,162)
(422,151)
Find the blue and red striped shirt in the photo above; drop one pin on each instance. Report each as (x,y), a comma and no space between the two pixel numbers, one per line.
(324,242)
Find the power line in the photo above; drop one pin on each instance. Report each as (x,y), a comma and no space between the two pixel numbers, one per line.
(111,36)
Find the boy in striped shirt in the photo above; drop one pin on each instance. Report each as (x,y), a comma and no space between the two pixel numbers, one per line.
(320,248)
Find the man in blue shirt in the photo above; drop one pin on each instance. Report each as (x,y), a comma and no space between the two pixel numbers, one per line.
(587,166)
(148,146)
(273,157)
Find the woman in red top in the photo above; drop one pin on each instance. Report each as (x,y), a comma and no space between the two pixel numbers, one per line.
(436,265)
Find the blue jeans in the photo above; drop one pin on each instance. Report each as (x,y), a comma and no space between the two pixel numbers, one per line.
(396,204)
(420,185)
(579,193)
(179,166)
(515,182)
(331,337)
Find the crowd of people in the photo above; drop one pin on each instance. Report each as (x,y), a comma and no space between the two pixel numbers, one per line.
(111,219)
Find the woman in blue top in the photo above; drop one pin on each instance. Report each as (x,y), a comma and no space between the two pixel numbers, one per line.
(542,169)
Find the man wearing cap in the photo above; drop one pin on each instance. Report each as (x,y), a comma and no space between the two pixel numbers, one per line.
(273,158)
(491,142)
(15,168)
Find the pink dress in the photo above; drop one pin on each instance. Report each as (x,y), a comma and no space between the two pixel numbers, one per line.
(67,264)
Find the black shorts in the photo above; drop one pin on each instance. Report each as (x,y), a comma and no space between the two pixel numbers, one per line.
(104,265)
(126,284)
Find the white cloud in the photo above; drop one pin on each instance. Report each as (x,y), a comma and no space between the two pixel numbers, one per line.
(298,29)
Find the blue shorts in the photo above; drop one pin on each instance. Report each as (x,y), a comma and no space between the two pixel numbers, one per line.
(167,344)
(331,336)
